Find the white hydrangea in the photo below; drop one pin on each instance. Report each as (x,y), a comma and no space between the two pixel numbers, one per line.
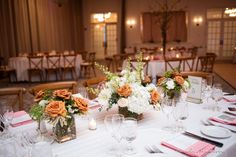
(43,103)
(170,84)
(104,96)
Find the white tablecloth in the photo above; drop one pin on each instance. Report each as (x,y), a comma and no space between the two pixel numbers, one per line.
(21,64)
(157,67)
(95,143)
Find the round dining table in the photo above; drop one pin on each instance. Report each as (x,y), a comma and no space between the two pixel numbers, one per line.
(91,143)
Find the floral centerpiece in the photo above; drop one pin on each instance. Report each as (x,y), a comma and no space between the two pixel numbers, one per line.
(58,107)
(131,91)
(173,84)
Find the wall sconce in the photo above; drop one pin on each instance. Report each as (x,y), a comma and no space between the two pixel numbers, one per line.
(131,23)
(197,20)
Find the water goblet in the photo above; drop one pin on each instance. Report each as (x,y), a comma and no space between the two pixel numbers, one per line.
(217,95)
(83,92)
(7,115)
(129,134)
(167,108)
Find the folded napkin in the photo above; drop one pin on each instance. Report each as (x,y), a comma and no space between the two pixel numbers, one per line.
(230,98)
(21,118)
(225,119)
(189,146)
(93,104)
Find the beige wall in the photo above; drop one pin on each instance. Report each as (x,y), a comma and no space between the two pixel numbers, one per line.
(134,8)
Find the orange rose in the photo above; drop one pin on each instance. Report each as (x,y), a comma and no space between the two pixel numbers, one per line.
(56,108)
(63,93)
(38,96)
(124,90)
(176,73)
(146,79)
(155,96)
(81,104)
(179,80)
(160,81)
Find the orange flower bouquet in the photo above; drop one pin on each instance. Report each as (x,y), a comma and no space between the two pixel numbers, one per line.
(58,107)
(129,92)
(173,84)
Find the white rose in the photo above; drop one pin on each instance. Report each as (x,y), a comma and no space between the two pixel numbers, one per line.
(170,84)
(122,102)
(186,84)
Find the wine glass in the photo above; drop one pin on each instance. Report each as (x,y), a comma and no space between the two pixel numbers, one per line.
(130,133)
(113,123)
(180,113)
(83,92)
(7,115)
(217,95)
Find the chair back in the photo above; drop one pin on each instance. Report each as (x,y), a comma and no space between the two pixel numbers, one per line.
(53,62)
(18,91)
(93,83)
(204,75)
(173,64)
(119,59)
(70,85)
(35,62)
(134,65)
(91,57)
(205,63)
(188,63)
(69,61)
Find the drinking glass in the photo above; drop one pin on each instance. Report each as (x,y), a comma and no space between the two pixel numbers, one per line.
(7,115)
(180,113)
(113,123)
(83,92)
(129,134)
(217,95)
(167,108)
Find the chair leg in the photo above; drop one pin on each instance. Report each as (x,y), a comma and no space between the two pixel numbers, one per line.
(94,71)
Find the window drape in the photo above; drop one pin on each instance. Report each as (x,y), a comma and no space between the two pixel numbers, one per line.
(40,25)
(151,32)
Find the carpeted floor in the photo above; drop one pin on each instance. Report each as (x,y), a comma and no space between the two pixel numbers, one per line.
(227,72)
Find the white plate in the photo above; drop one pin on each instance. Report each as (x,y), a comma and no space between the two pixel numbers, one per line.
(216,132)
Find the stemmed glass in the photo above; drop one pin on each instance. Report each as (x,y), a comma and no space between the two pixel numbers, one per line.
(217,95)
(113,125)
(7,116)
(83,92)
(130,133)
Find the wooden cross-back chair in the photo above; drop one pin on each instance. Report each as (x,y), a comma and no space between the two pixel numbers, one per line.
(173,64)
(204,75)
(134,64)
(69,65)
(188,63)
(35,66)
(93,83)
(88,65)
(18,91)
(205,63)
(53,66)
(70,85)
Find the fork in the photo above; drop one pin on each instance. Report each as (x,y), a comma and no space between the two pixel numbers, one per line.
(153,149)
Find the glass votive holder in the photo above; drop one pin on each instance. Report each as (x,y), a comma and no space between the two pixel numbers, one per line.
(92,124)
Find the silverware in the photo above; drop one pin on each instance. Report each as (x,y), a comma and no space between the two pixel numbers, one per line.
(216,143)
(153,149)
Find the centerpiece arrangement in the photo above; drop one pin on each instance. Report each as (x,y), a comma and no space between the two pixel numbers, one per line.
(173,84)
(59,107)
(131,91)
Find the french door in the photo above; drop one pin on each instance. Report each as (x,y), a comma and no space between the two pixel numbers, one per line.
(221,37)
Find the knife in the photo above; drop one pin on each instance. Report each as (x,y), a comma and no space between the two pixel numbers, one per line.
(216,143)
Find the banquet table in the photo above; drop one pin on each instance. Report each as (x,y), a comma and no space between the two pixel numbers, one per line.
(21,64)
(91,143)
